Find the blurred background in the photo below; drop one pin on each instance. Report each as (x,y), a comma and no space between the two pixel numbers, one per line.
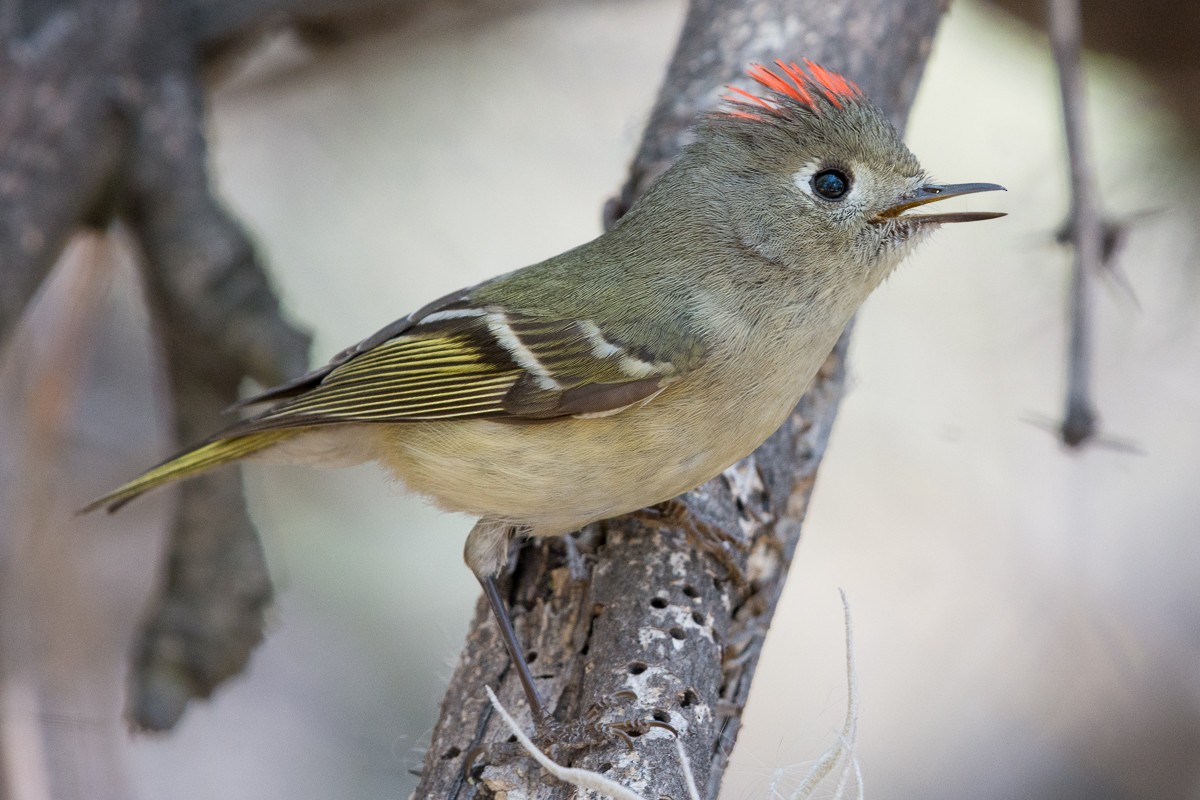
(1027,620)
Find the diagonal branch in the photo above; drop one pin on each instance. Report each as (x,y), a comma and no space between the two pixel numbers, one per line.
(627,623)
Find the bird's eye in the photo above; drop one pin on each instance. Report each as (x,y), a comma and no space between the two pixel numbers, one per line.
(832,184)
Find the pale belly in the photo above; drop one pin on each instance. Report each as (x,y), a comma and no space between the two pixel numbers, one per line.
(556,476)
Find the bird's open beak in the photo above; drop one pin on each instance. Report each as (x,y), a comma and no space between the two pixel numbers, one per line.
(931,193)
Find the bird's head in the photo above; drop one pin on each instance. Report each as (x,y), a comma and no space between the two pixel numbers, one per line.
(816,175)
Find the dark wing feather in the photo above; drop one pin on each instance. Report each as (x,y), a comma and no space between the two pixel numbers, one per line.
(312,379)
(456,361)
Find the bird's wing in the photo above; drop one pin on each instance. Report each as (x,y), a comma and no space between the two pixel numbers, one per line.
(312,379)
(461,361)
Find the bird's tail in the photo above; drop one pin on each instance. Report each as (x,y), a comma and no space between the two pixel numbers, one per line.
(189,463)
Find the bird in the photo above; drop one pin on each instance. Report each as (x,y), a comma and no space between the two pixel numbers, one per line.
(630,369)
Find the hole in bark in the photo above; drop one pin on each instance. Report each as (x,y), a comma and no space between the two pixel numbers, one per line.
(658,602)
(605,767)
(698,618)
(531,657)
(687,698)
(660,715)
(690,591)
(637,667)
(511,739)
(678,633)
(453,752)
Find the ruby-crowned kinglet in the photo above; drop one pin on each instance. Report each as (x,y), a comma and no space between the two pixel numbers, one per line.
(634,367)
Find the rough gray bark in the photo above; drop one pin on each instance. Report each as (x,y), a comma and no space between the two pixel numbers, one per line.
(635,619)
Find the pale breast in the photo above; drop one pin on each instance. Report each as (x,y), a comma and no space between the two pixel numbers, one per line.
(556,476)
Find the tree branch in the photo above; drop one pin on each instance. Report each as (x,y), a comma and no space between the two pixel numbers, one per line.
(102,118)
(638,620)
(1066,35)
(220,322)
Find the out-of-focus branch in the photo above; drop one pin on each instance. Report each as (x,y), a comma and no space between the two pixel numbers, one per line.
(1079,417)
(222,23)
(60,141)
(219,322)
(101,118)
(1158,36)
(632,619)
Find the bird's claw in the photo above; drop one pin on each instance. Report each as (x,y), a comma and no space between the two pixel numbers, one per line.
(624,729)
(707,536)
(627,729)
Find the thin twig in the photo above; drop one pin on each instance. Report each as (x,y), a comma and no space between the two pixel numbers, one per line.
(1079,418)
(842,751)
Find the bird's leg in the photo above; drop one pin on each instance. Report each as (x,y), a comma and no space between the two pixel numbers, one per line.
(486,553)
(708,535)
(509,636)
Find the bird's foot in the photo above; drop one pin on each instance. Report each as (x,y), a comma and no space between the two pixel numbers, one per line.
(708,535)
(595,729)
(600,729)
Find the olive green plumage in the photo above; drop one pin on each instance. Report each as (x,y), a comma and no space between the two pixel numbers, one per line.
(731,271)
(638,365)
(691,327)
(191,462)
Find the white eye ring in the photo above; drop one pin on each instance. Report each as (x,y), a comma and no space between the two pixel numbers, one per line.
(802,178)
